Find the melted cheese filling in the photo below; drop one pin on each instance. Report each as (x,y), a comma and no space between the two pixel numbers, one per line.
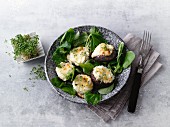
(103,49)
(82,83)
(65,71)
(78,55)
(103,74)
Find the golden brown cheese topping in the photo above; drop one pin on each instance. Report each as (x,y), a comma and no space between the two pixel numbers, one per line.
(103,74)
(65,72)
(82,83)
(103,49)
(78,55)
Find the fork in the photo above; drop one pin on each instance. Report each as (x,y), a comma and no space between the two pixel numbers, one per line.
(143,52)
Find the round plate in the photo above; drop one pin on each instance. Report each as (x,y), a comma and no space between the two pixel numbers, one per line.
(50,66)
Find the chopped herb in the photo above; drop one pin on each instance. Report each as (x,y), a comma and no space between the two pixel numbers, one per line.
(38,72)
(5,41)
(25,89)
(8,53)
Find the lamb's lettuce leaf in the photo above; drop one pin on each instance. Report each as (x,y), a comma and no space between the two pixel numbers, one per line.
(60,53)
(130,56)
(87,67)
(94,39)
(92,98)
(106,90)
(66,87)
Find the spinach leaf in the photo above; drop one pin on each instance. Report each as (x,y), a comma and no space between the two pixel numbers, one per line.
(91,98)
(64,48)
(87,67)
(81,40)
(68,88)
(68,36)
(94,39)
(94,30)
(59,54)
(106,90)
(58,58)
(124,59)
(120,58)
(56,82)
(120,51)
(130,56)
(77,35)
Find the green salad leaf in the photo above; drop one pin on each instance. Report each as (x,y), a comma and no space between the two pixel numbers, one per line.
(94,39)
(87,67)
(92,98)
(130,56)
(64,48)
(120,56)
(60,53)
(68,36)
(64,86)
(81,40)
(123,61)
(106,90)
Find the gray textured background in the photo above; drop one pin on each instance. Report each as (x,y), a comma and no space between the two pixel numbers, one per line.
(40,106)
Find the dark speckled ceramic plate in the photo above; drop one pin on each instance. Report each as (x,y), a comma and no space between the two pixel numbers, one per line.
(50,66)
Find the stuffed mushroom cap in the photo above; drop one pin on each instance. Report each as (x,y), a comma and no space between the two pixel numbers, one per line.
(104,53)
(78,55)
(102,76)
(82,83)
(65,71)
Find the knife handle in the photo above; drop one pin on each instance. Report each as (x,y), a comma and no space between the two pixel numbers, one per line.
(134,92)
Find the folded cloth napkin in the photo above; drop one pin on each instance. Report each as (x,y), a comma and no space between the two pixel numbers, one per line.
(112,108)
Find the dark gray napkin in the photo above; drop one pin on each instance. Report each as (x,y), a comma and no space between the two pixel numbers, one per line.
(112,108)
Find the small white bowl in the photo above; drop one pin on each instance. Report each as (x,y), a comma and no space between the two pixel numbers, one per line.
(40,51)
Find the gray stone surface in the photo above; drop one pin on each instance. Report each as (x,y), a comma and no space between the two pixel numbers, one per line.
(40,106)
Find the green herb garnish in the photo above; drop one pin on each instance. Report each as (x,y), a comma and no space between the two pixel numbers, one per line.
(5,41)
(25,89)
(25,46)
(38,72)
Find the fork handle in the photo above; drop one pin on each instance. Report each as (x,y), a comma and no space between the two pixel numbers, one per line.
(135,91)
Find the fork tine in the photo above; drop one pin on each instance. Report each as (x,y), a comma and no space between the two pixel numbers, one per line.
(148,43)
(145,40)
(141,46)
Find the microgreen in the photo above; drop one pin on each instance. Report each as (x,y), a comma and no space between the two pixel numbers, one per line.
(25,45)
